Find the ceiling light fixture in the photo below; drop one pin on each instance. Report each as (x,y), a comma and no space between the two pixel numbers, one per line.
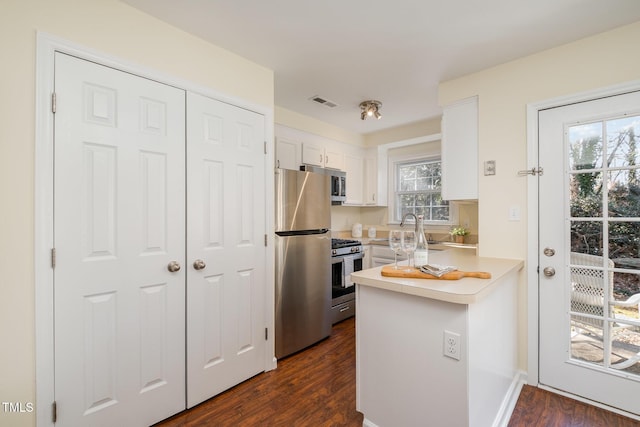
(369,109)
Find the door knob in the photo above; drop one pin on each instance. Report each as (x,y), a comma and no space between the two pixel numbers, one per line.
(549,271)
(549,251)
(199,264)
(173,266)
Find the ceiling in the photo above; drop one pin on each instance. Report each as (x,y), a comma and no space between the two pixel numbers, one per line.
(348,51)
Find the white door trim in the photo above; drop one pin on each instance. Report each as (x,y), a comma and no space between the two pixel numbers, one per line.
(46,46)
(532,210)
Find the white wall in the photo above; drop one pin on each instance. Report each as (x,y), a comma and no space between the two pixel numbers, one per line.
(504,91)
(117,30)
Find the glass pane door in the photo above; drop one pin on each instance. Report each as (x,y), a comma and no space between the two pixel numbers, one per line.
(604,241)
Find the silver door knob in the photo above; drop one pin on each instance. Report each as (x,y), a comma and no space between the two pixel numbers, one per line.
(199,264)
(549,251)
(549,271)
(173,266)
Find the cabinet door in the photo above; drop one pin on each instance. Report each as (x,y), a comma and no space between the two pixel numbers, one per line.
(460,150)
(288,154)
(353,166)
(312,154)
(370,180)
(334,159)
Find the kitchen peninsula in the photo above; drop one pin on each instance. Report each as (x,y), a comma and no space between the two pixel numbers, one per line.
(404,327)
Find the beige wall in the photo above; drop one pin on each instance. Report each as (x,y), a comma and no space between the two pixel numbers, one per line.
(109,27)
(308,124)
(504,91)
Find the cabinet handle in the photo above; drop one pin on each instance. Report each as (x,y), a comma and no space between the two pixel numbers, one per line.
(278,162)
(320,158)
(326,159)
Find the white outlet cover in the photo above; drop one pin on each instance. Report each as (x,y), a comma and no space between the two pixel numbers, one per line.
(451,345)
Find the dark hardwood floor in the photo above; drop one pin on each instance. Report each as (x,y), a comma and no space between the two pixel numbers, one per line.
(317,388)
(537,407)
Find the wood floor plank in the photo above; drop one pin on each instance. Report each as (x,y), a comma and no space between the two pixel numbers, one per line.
(542,408)
(317,388)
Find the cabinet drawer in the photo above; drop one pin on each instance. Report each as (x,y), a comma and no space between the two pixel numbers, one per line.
(343,311)
(378,251)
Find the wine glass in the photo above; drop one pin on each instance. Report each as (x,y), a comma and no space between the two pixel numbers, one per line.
(409,243)
(395,243)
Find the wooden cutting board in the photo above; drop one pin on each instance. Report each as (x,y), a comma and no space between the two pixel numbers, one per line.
(390,271)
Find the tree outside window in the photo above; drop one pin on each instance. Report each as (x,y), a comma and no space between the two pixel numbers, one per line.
(605,195)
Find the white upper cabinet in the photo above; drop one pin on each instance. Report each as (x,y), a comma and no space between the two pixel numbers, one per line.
(288,153)
(353,166)
(323,155)
(460,150)
(375,177)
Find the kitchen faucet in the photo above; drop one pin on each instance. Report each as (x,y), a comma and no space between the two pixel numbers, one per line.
(415,218)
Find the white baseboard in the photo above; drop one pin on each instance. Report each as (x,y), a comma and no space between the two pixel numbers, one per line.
(367,423)
(510,399)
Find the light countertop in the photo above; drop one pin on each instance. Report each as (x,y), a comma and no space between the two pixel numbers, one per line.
(464,291)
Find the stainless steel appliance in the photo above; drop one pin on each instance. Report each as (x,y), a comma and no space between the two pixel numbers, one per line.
(303,261)
(338,182)
(346,258)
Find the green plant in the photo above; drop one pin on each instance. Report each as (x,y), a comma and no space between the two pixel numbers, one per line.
(459,231)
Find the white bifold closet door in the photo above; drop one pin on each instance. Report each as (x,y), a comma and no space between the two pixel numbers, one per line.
(161,261)
(226,248)
(119,221)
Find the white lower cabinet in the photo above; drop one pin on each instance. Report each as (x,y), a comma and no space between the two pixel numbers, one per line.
(383,255)
(404,378)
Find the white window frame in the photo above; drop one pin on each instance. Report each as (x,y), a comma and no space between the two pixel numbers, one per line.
(394,162)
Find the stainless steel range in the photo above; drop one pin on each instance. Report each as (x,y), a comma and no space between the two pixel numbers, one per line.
(346,258)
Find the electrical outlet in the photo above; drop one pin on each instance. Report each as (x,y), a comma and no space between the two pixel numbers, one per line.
(452,345)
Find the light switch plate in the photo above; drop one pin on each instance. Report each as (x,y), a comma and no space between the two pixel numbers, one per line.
(514,213)
(489,167)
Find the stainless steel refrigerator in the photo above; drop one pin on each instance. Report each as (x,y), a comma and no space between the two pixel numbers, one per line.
(303,259)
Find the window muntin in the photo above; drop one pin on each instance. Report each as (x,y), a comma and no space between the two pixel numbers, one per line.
(418,187)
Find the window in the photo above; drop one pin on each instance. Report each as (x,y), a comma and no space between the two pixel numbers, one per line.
(418,191)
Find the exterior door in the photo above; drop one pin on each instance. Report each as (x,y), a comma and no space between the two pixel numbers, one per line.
(119,222)
(226,247)
(589,250)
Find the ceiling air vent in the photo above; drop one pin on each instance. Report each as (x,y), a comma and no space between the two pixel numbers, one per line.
(323,101)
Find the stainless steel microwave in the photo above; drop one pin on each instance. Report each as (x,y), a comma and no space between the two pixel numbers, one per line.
(338,182)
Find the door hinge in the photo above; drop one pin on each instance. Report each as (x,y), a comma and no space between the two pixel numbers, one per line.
(266,334)
(265,147)
(53,257)
(53,102)
(54,412)
(265,240)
